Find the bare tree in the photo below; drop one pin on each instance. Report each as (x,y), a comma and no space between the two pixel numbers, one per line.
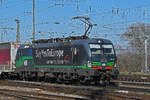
(135,35)
(133,60)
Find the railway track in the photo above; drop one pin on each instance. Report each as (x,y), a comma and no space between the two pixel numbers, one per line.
(74,92)
(38,95)
(134,78)
(125,96)
(135,86)
(20,96)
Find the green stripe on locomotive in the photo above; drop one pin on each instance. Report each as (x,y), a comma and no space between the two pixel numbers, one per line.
(100,63)
(20,61)
(61,66)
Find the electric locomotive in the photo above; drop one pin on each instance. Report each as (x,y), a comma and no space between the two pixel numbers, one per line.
(81,59)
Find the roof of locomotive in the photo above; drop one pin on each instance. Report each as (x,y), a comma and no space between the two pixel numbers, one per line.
(99,40)
(72,39)
(52,40)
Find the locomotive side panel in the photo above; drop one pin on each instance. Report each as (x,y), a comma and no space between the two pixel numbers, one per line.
(60,55)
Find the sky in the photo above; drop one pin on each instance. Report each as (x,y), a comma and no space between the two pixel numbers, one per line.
(112,17)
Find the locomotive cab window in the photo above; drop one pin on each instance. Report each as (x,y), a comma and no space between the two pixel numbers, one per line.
(108,49)
(95,49)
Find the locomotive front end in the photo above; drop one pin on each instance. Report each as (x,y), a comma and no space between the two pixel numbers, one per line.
(103,59)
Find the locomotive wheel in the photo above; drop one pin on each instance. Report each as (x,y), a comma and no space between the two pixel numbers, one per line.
(82,80)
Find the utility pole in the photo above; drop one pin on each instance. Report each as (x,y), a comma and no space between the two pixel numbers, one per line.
(18,30)
(5,31)
(33,20)
(2,36)
(146,67)
(77,5)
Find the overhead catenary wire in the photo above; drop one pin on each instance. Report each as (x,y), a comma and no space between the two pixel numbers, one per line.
(115,23)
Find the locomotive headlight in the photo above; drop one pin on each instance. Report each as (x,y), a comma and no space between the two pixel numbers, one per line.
(89,64)
(99,41)
(103,64)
